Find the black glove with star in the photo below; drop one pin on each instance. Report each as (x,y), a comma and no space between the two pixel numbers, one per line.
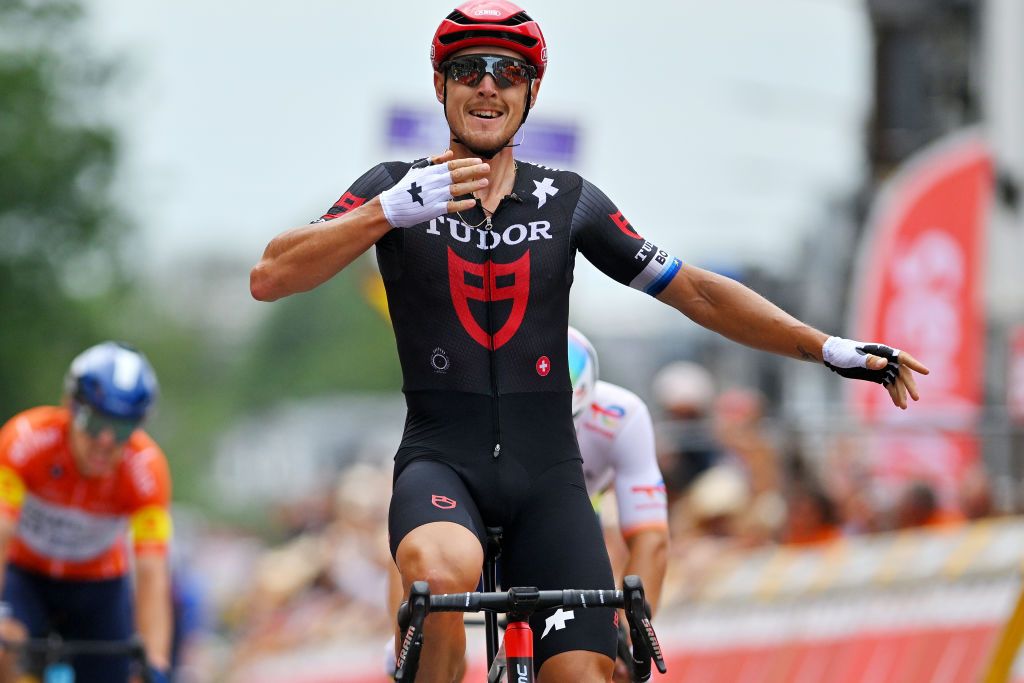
(848,358)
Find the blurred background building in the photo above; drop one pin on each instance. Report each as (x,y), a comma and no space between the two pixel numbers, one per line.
(149,154)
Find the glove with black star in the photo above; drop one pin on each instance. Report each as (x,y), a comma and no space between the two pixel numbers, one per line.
(849,359)
(421,195)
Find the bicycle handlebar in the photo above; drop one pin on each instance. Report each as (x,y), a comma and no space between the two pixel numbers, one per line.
(58,649)
(520,603)
(524,601)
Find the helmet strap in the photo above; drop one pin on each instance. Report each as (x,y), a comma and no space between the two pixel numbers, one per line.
(526,105)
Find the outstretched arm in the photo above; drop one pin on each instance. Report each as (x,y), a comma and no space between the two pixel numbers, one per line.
(725,306)
(737,312)
(303,258)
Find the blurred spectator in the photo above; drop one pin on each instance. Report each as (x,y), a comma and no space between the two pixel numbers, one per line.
(326,584)
(306,515)
(811,516)
(975,493)
(360,557)
(918,506)
(190,621)
(849,483)
(739,426)
(686,444)
(189,599)
(717,499)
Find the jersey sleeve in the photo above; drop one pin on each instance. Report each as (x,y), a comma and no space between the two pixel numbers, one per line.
(150,517)
(368,186)
(639,486)
(605,237)
(12,484)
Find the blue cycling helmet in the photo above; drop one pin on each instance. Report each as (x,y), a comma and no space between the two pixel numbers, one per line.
(115,379)
(582,371)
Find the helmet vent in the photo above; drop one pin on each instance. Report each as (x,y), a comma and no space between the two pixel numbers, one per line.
(516,19)
(458,36)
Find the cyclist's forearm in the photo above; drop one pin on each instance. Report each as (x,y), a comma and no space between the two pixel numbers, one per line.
(7,528)
(737,312)
(648,557)
(303,258)
(153,612)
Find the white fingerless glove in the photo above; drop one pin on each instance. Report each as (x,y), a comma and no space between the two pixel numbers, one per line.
(849,358)
(421,195)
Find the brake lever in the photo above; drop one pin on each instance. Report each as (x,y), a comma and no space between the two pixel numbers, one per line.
(411,616)
(645,641)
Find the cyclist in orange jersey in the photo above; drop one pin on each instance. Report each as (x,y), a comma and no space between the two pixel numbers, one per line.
(77,483)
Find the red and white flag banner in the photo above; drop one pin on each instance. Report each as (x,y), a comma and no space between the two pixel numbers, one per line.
(1015,380)
(918,287)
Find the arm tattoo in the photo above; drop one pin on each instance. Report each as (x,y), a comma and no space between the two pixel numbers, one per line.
(805,354)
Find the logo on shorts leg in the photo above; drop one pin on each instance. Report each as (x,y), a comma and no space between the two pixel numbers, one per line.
(557,621)
(442,502)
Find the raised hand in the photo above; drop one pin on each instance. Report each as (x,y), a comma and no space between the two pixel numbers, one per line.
(429,189)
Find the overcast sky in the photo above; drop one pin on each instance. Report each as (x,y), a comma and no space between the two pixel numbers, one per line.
(719,128)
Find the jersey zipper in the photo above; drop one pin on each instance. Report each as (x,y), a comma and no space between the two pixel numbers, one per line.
(495,412)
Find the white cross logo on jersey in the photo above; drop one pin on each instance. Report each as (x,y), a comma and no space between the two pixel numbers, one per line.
(557,620)
(544,190)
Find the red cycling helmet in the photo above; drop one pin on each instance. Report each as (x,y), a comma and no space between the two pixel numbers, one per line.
(490,22)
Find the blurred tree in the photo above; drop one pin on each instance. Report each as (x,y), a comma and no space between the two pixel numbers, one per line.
(331,339)
(57,225)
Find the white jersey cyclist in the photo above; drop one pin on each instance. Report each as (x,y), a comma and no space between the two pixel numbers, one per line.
(616,438)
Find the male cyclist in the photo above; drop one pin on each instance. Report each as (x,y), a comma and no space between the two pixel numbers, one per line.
(76,482)
(616,438)
(476,250)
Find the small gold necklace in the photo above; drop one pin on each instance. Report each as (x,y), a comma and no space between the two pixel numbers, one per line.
(487,212)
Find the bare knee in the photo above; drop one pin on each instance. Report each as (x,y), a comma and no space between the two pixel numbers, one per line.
(447,556)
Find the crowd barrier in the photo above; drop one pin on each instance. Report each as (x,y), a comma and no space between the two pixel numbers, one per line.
(919,606)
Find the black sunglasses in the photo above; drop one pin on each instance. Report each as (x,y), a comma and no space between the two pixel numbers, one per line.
(470,70)
(93,422)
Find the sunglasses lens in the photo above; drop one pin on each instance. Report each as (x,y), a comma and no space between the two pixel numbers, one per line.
(506,71)
(466,71)
(95,423)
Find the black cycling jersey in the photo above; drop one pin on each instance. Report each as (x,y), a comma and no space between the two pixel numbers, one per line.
(480,307)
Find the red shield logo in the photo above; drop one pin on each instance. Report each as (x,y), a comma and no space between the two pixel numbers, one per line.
(463,292)
(622,224)
(443,502)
